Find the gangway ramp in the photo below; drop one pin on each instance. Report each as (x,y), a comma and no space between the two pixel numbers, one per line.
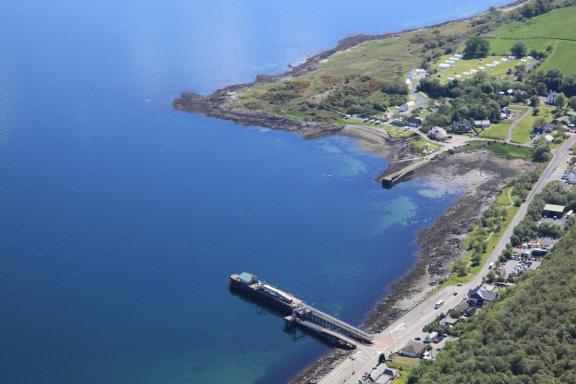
(325,320)
(335,337)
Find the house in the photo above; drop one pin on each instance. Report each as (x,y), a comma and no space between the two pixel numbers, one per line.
(438,134)
(448,321)
(382,374)
(565,120)
(413,349)
(482,294)
(461,126)
(547,128)
(553,211)
(414,122)
(406,106)
(400,122)
(482,124)
(551,99)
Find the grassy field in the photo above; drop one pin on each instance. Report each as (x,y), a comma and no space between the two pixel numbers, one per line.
(381,60)
(497,131)
(556,29)
(421,144)
(521,134)
(462,66)
(563,57)
(403,365)
(500,131)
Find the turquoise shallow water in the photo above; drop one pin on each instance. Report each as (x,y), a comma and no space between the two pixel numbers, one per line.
(122,219)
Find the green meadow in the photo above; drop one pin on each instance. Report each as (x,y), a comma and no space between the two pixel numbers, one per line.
(556,29)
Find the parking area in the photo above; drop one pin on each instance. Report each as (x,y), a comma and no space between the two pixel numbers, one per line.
(518,267)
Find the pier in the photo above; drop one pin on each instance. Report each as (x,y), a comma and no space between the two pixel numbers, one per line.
(301,314)
(388,181)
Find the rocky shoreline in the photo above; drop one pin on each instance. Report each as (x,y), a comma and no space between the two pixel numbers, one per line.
(479,177)
(215,106)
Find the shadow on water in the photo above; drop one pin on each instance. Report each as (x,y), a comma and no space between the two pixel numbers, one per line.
(295,333)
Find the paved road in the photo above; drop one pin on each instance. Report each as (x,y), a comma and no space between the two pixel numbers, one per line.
(410,325)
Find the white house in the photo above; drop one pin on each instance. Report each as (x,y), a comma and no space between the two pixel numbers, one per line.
(482,124)
(438,134)
(551,99)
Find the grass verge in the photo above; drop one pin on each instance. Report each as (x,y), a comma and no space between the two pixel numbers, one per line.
(505,200)
(503,150)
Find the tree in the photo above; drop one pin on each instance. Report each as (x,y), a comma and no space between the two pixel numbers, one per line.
(553,79)
(541,153)
(560,101)
(437,119)
(534,101)
(519,71)
(432,87)
(476,259)
(569,86)
(490,277)
(539,124)
(538,54)
(572,102)
(382,358)
(476,48)
(519,49)
(459,268)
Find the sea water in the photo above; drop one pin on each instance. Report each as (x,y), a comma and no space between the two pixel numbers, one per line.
(121,219)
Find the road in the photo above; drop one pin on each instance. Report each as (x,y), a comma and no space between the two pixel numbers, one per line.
(515,124)
(410,325)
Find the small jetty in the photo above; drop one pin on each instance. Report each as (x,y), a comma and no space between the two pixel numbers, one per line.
(388,180)
(300,314)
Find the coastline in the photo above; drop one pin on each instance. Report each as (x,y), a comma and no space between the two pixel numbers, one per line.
(479,177)
(214,104)
(439,244)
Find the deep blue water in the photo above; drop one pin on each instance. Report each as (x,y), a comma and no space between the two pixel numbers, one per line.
(121,220)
